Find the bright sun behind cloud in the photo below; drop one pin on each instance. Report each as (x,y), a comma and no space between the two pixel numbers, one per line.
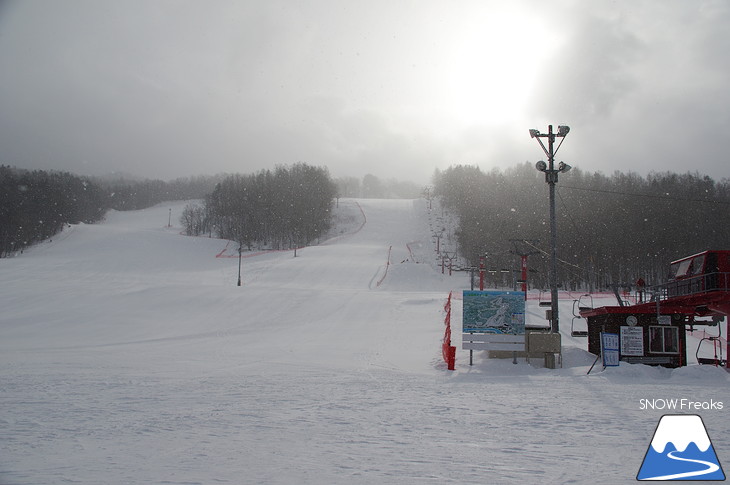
(494,64)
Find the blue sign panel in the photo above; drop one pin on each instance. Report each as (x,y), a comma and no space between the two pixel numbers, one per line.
(499,312)
(610,349)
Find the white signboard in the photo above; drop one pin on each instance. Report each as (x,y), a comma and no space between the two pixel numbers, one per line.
(632,341)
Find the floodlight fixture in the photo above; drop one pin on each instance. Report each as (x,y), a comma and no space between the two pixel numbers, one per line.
(534,133)
(563,167)
(563,130)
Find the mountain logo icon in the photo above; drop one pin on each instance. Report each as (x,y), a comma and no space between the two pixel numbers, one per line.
(680,450)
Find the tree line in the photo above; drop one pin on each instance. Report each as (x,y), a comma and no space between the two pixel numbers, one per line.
(372,187)
(281,208)
(611,229)
(35,205)
(139,194)
(284,208)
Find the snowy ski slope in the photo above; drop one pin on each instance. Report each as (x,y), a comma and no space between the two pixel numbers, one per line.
(129,355)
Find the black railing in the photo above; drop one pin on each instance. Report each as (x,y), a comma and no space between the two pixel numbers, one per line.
(695,285)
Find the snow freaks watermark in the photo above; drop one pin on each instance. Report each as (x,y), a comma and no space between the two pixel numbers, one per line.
(680,450)
(680,404)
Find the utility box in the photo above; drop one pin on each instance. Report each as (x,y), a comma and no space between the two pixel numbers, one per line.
(547,345)
(540,343)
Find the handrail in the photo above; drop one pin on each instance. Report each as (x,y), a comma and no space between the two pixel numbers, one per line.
(695,285)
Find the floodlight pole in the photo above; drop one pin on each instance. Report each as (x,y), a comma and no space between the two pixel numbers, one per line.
(551,177)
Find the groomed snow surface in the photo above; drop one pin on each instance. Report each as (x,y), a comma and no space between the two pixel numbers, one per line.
(128,355)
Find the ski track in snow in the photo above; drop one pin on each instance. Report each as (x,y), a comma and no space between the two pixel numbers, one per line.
(128,355)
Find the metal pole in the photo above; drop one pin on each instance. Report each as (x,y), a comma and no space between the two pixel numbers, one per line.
(481,273)
(552,178)
(523,259)
(553,261)
(239,265)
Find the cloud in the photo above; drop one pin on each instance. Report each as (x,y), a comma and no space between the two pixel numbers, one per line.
(168,89)
(642,87)
(592,71)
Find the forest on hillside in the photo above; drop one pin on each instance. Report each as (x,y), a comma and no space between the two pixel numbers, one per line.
(611,229)
(35,205)
(285,208)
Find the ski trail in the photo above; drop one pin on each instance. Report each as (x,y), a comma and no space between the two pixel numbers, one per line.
(712,468)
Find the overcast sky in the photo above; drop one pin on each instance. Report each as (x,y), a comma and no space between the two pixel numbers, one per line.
(165,89)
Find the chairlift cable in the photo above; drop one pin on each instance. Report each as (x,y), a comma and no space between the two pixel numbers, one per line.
(650,196)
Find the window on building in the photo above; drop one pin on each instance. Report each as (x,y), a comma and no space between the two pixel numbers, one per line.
(698,265)
(664,340)
(683,268)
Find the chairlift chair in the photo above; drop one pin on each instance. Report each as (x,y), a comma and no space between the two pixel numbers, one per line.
(716,361)
(544,303)
(577,316)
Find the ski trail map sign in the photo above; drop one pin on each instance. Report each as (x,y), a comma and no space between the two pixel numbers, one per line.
(494,312)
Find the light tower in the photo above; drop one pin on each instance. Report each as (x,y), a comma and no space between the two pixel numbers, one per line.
(551,177)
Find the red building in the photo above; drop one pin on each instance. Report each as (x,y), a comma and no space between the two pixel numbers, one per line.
(698,287)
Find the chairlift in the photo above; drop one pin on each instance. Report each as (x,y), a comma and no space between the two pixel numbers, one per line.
(542,303)
(584,306)
(717,360)
(577,316)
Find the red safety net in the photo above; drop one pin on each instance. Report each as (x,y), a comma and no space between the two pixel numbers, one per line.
(448,351)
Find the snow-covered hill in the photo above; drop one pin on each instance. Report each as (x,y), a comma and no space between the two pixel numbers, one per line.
(129,355)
